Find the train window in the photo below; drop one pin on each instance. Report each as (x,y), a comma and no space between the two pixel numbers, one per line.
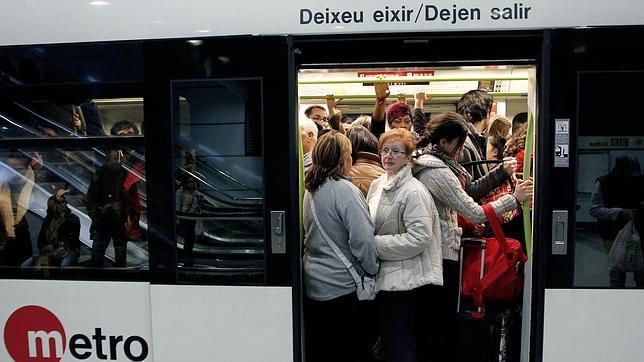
(219,181)
(610,184)
(74,118)
(72,208)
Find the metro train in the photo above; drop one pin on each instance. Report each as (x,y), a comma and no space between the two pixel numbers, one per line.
(214,94)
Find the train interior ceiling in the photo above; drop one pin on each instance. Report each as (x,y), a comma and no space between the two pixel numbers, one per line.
(355,96)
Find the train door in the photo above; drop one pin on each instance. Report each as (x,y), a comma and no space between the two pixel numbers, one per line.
(593,151)
(444,66)
(224,109)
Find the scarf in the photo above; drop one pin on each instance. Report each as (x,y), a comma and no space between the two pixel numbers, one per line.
(463,177)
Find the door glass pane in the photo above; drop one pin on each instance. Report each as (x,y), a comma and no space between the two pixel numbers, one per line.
(610,185)
(219,181)
(63,210)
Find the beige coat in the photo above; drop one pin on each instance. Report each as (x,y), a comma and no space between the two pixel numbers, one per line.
(407,234)
(366,169)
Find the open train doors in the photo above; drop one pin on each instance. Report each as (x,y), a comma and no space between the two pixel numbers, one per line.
(223,108)
(592,143)
(456,58)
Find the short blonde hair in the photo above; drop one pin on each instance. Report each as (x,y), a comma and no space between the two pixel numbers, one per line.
(362,120)
(401,134)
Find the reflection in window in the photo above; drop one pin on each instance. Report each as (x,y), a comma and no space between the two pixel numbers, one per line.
(219,181)
(610,184)
(86,118)
(56,206)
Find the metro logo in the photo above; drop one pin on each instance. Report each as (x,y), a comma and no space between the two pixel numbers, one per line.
(34,334)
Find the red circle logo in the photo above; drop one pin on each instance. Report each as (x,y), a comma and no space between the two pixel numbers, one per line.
(34,334)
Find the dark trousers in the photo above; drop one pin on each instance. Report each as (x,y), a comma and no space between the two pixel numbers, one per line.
(332,330)
(188,230)
(445,331)
(101,240)
(14,251)
(398,313)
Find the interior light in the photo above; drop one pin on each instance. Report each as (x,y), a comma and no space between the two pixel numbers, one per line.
(99,3)
(203,31)
(195,42)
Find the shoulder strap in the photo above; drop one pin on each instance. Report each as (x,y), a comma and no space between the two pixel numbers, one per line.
(496,226)
(333,245)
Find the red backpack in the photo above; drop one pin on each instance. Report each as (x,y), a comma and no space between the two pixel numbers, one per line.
(501,270)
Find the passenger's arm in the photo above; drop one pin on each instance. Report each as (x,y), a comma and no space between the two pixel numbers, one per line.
(71,233)
(335,122)
(417,218)
(379,115)
(444,186)
(419,119)
(354,213)
(481,187)
(597,208)
(90,199)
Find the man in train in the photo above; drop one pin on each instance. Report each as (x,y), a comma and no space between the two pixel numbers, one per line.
(309,135)
(475,107)
(318,115)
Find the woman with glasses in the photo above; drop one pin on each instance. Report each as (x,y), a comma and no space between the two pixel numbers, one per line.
(332,311)
(436,166)
(408,244)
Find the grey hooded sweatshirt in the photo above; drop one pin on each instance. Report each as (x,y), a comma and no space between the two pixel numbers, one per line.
(344,215)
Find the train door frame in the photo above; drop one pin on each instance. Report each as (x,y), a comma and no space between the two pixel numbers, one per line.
(438,49)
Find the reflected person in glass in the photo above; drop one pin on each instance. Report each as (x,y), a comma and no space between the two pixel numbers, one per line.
(616,200)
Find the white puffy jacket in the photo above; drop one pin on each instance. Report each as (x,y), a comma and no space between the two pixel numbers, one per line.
(407,233)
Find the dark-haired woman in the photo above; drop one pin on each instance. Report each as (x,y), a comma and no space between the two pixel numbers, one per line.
(331,310)
(366,162)
(436,167)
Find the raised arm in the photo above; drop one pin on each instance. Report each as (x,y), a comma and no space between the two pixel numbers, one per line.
(379,115)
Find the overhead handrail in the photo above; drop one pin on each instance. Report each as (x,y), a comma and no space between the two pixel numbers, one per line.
(411,96)
(410,79)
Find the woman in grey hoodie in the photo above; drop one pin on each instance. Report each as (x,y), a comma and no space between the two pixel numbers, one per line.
(331,309)
(436,167)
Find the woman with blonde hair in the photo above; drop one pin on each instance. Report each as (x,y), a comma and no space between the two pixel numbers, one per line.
(497,134)
(331,307)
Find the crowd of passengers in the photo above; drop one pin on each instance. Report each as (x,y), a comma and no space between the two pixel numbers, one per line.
(391,192)
(112,202)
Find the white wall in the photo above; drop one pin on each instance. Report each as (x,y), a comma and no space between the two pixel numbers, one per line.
(220,323)
(588,325)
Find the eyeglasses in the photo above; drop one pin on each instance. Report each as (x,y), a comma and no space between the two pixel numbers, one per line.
(394,152)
